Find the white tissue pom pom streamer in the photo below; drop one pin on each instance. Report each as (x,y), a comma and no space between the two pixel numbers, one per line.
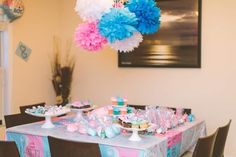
(128,44)
(90,10)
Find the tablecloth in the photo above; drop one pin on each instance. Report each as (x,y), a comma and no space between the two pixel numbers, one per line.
(32,140)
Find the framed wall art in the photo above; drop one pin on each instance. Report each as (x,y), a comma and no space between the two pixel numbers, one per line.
(177,44)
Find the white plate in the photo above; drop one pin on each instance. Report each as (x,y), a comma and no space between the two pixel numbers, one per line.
(48,115)
(83,109)
(135,136)
(133,129)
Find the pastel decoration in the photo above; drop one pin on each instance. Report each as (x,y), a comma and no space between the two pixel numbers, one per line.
(116,111)
(92,123)
(185,117)
(88,37)
(23,51)
(128,45)
(92,132)
(82,130)
(109,132)
(129,110)
(116,129)
(190,118)
(13,9)
(148,15)
(90,10)
(72,127)
(117,24)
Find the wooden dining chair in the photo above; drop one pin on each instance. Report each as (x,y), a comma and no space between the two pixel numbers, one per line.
(23,108)
(204,146)
(65,148)
(19,119)
(221,137)
(8,149)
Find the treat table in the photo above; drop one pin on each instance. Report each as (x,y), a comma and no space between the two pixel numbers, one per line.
(32,140)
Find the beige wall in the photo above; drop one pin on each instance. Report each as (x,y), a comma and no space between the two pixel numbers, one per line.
(1,92)
(209,91)
(31,80)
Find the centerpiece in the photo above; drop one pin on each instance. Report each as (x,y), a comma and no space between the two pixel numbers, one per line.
(62,74)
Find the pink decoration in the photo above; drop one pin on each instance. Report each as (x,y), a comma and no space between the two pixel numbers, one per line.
(82,129)
(72,127)
(88,37)
(34,143)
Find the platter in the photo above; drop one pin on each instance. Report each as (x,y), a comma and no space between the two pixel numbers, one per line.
(135,136)
(48,117)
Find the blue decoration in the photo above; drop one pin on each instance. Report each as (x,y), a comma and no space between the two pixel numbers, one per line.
(23,51)
(148,15)
(117,24)
(191,118)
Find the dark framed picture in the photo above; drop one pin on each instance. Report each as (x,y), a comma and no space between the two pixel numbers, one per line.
(177,44)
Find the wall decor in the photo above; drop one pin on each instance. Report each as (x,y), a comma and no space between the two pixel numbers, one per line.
(23,51)
(119,23)
(13,9)
(177,43)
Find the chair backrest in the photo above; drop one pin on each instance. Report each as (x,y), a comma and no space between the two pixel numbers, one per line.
(204,146)
(23,108)
(64,148)
(20,119)
(221,137)
(8,148)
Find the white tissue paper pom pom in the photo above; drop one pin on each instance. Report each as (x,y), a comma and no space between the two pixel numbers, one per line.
(90,10)
(128,44)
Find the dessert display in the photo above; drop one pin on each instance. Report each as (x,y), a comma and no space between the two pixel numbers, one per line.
(81,105)
(133,121)
(119,106)
(43,111)
(47,112)
(118,101)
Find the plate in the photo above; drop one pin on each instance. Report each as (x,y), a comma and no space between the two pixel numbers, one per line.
(135,136)
(83,109)
(48,115)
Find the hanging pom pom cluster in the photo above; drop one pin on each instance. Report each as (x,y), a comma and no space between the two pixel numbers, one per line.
(120,23)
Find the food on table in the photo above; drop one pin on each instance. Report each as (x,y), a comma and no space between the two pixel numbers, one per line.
(48,110)
(119,106)
(81,105)
(133,121)
(119,101)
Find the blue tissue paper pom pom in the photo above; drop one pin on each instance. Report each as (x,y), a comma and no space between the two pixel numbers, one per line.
(117,24)
(148,15)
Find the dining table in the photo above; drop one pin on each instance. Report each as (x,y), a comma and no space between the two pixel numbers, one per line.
(32,140)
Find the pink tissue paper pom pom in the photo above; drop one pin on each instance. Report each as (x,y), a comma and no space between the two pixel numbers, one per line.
(87,36)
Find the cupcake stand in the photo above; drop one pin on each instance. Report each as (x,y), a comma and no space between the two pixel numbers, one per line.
(79,112)
(135,136)
(48,118)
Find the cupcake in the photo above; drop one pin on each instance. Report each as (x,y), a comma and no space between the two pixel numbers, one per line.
(144,125)
(123,111)
(110,110)
(114,101)
(116,111)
